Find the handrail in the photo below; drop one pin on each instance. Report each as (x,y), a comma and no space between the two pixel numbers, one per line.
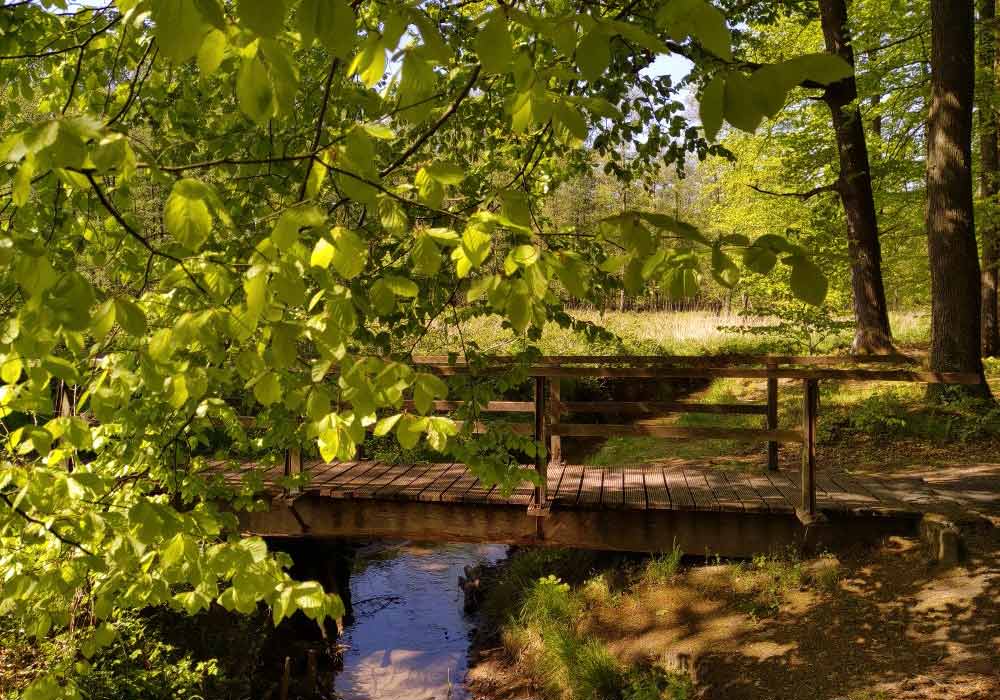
(724,360)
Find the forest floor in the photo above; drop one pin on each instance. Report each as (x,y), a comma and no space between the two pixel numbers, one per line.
(867,624)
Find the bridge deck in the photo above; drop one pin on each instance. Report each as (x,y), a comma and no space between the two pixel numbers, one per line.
(631,507)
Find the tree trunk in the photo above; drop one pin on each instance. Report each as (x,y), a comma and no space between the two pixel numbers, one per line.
(989,176)
(855,187)
(951,236)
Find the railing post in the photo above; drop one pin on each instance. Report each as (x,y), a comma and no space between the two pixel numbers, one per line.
(293,465)
(541,460)
(65,407)
(555,414)
(772,417)
(810,408)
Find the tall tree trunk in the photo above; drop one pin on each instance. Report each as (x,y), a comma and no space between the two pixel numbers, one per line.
(951,236)
(989,176)
(855,188)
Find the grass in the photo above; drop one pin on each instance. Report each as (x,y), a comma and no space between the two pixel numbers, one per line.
(544,639)
(656,332)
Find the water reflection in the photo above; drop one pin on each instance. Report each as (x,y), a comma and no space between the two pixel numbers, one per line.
(410,638)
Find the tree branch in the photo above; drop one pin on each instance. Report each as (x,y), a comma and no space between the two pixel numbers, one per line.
(434,127)
(319,124)
(110,207)
(41,523)
(800,195)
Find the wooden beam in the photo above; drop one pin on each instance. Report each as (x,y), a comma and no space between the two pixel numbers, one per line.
(662,407)
(541,444)
(666,431)
(810,408)
(492,406)
(685,360)
(864,375)
(556,408)
(772,419)
(695,532)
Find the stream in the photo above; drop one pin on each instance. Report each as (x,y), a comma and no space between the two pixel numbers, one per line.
(410,637)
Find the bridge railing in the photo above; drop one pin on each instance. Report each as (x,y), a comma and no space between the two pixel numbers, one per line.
(548,408)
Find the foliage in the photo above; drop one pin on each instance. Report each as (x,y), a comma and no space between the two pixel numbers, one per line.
(214,209)
(663,567)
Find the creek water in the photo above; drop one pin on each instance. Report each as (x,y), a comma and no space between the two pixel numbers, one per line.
(410,637)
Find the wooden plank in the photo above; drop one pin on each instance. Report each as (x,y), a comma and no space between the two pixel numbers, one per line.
(478,492)
(863,375)
(555,415)
(776,503)
(635,488)
(347,490)
(640,407)
(411,474)
(427,477)
(680,494)
(843,497)
(701,494)
(569,486)
(590,486)
(441,484)
(344,476)
(723,492)
(858,489)
(555,473)
(689,360)
(657,493)
(669,431)
(785,486)
(518,428)
(490,407)
(613,488)
(456,492)
(319,471)
(747,495)
(370,488)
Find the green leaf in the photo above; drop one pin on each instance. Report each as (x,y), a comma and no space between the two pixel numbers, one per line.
(253,89)
(426,256)
(130,317)
(711,106)
(409,429)
(385,425)
(22,182)
(186,214)
(710,29)
(724,270)
(369,63)
(759,259)
(267,389)
(593,54)
(445,173)
(400,286)
(683,283)
(179,28)
(330,21)
(212,51)
(822,68)
(322,254)
(350,252)
(427,387)
(494,45)
(740,104)
(807,281)
(264,17)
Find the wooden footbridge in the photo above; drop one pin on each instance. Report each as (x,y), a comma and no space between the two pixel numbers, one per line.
(633,507)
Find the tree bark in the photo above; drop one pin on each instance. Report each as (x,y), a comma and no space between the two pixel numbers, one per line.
(855,187)
(989,177)
(951,236)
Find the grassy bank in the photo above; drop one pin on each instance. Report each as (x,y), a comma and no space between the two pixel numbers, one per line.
(585,626)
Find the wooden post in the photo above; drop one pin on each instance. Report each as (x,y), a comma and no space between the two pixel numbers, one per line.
(541,461)
(810,407)
(772,418)
(555,413)
(293,465)
(286,677)
(65,407)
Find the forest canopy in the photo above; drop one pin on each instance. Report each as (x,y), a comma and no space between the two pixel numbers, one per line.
(213,210)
